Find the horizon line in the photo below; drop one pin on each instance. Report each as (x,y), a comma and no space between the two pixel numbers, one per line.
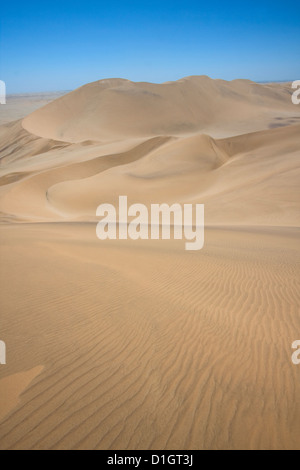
(24,93)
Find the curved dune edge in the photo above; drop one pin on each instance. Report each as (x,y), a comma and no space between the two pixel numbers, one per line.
(47,181)
(12,387)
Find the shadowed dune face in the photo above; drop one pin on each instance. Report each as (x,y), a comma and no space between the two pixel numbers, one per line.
(145,345)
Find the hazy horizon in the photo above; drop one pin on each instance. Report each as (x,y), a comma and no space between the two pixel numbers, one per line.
(43,92)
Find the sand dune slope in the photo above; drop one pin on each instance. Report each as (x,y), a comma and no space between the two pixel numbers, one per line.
(20,105)
(104,109)
(148,347)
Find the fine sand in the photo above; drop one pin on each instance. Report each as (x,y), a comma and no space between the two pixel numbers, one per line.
(141,344)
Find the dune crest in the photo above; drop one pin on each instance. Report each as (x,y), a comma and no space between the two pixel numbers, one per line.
(105,109)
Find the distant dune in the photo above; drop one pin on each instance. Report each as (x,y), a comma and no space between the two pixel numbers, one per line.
(108,108)
(140,344)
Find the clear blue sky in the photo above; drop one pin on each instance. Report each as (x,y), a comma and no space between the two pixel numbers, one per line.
(62,45)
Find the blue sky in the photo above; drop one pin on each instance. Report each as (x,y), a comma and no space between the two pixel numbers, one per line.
(55,45)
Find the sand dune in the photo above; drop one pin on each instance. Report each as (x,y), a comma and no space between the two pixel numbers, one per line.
(143,344)
(148,347)
(104,109)
(68,181)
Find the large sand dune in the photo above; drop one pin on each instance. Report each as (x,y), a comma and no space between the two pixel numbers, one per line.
(109,108)
(140,344)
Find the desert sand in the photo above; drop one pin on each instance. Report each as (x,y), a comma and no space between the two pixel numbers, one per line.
(141,344)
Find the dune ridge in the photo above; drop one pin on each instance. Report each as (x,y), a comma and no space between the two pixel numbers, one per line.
(104,109)
(44,180)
